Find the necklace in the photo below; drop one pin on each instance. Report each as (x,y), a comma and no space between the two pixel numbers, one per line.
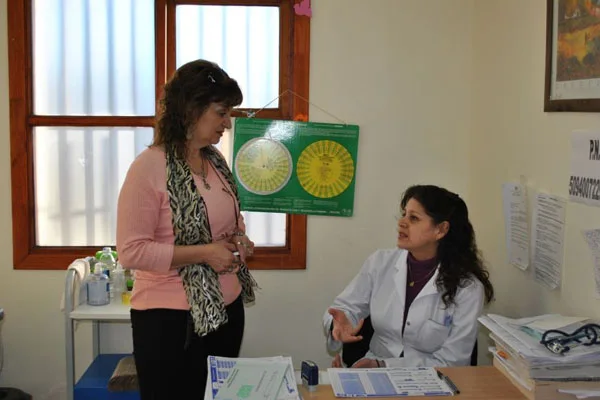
(203,173)
(411,282)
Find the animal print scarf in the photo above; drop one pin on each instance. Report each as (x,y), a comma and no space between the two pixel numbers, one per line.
(191,227)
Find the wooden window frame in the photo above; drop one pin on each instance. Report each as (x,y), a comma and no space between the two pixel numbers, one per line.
(294,76)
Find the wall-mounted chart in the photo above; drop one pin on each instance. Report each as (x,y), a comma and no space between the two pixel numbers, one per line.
(263,166)
(325,169)
(295,167)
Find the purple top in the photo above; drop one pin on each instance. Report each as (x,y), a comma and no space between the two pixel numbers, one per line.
(419,272)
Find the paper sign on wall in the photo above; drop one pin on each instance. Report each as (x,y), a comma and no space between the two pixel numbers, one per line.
(548,239)
(592,237)
(584,182)
(514,198)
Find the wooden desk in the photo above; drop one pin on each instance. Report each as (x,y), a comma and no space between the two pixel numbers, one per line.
(474,383)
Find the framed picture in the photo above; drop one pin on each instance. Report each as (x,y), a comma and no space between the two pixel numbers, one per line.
(572,56)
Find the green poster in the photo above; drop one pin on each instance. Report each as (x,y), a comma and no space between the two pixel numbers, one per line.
(295,167)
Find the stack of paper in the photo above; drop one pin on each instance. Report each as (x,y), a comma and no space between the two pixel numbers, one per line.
(534,369)
(266,378)
(548,389)
(388,382)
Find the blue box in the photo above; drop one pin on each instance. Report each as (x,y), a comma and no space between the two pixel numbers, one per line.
(93,385)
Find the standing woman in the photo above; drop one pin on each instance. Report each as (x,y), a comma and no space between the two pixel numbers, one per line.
(179,227)
(423,297)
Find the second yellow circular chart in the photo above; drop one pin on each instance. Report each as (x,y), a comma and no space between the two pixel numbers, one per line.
(325,169)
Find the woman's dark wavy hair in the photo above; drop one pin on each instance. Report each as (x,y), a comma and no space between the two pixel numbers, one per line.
(460,260)
(189,92)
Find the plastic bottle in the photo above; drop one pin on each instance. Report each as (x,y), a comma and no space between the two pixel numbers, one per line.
(113,252)
(97,285)
(129,279)
(106,257)
(118,281)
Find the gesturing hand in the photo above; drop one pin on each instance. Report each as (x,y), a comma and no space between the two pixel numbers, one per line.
(342,327)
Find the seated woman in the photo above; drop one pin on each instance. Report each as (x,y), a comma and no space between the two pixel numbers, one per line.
(424,297)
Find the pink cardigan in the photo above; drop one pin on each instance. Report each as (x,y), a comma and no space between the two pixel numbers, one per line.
(145,238)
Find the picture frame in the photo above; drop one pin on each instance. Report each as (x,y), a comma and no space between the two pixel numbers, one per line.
(572,81)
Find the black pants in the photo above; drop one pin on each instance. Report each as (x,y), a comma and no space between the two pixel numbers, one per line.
(170,363)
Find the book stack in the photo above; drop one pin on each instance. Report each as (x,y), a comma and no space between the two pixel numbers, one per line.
(536,371)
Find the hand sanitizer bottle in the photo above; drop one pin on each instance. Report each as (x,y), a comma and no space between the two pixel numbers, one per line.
(98,287)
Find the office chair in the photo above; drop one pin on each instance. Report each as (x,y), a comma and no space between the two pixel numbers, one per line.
(352,352)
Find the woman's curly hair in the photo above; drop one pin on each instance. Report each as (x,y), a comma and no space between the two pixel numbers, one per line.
(189,92)
(459,258)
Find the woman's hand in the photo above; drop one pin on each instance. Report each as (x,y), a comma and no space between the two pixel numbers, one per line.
(366,363)
(343,329)
(220,256)
(337,362)
(244,245)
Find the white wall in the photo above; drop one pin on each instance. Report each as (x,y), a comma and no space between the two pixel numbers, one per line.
(512,136)
(408,88)
(402,70)
(32,331)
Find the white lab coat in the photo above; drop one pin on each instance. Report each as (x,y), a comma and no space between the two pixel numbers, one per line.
(435,335)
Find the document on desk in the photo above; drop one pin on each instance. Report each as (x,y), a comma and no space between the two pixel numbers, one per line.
(253,381)
(516,224)
(529,348)
(219,369)
(548,239)
(387,382)
(581,394)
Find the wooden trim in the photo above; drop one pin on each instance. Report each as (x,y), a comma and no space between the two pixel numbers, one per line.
(171,30)
(267,113)
(300,85)
(293,256)
(294,66)
(54,258)
(301,64)
(263,3)
(294,54)
(28,51)
(298,82)
(59,120)
(286,57)
(160,57)
(19,143)
(548,77)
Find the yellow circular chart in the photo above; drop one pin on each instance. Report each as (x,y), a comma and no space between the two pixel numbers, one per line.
(325,169)
(263,166)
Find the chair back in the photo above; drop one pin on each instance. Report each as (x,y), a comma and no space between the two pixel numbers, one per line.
(352,352)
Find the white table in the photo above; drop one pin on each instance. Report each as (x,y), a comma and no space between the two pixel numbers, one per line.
(115,311)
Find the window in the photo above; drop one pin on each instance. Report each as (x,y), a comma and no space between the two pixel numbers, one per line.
(84,79)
